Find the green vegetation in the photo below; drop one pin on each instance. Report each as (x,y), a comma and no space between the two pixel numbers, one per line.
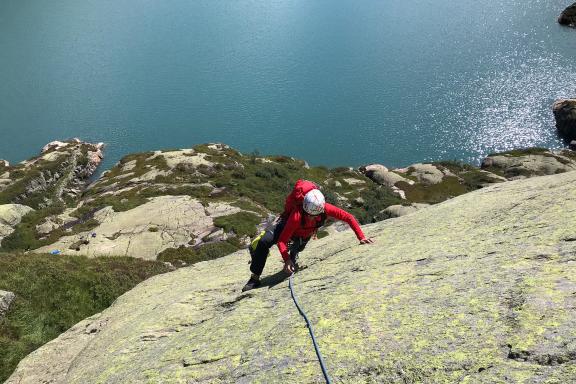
(434,193)
(210,251)
(55,292)
(25,235)
(241,223)
(522,152)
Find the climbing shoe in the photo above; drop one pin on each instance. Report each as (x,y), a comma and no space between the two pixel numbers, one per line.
(251,284)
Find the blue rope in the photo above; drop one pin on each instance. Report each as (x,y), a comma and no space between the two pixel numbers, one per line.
(320,359)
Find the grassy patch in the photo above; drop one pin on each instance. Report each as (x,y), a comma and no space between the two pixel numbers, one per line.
(522,152)
(375,199)
(248,206)
(25,236)
(433,194)
(241,223)
(194,255)
(55,292)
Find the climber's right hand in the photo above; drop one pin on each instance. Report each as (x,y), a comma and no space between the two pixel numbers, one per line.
(289,267)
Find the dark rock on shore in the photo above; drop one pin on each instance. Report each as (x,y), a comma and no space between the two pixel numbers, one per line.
(568,16)
(565,114)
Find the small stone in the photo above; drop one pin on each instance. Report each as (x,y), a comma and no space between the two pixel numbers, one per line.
(6,298)
(573,145)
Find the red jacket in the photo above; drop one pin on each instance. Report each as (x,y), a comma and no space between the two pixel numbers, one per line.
(294,227)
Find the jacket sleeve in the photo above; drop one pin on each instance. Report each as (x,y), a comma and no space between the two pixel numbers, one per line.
(286,235)
(340,214)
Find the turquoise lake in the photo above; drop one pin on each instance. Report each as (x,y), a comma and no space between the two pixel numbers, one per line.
(334,82)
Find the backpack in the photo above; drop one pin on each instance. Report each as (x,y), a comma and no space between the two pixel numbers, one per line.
(296,198)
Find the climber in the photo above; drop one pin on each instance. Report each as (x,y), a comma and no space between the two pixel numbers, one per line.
(305,211)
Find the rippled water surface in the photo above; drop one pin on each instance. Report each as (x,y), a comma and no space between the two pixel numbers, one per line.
(336,82)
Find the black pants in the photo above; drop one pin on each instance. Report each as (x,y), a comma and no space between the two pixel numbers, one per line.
(270,238)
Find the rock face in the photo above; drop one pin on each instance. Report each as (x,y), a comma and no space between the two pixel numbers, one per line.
(565,114)
(145,231)
(60,172)
(403,210)
(540,162)
(568,16)
(10,216)
(478,289)
(6,299)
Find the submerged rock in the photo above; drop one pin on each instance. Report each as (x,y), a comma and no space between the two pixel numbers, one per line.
(565,114)
(568,16)
(477,289)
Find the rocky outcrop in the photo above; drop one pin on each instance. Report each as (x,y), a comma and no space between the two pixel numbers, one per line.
(381,175)
(429,183)
(529,163)
(568,16)
(145,231)
(59,173)
(477,289)
(10,216)
(6,298)
(565,115)
(128,211)
(403,210)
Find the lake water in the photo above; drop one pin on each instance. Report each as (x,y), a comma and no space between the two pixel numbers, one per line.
(335,82)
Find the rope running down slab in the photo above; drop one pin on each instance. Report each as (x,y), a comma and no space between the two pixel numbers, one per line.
(320,359)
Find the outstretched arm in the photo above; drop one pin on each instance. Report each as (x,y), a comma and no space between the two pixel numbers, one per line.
(340,214)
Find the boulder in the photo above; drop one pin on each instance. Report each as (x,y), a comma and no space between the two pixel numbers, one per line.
(426,174)
(519,166)
(403,210)
(478,289)
(565,114)
(10,216)
(568,16)
(381,175)
(6,298)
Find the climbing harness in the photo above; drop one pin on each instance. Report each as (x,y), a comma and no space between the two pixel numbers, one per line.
(320,359)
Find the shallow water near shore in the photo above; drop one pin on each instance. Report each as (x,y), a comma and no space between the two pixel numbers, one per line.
(335,82)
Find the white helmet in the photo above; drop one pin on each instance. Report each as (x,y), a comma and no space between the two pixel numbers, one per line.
(314,202)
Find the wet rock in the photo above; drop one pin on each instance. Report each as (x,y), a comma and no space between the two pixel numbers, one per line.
(565,114)
(573,145)
(6,298)
(568,16)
